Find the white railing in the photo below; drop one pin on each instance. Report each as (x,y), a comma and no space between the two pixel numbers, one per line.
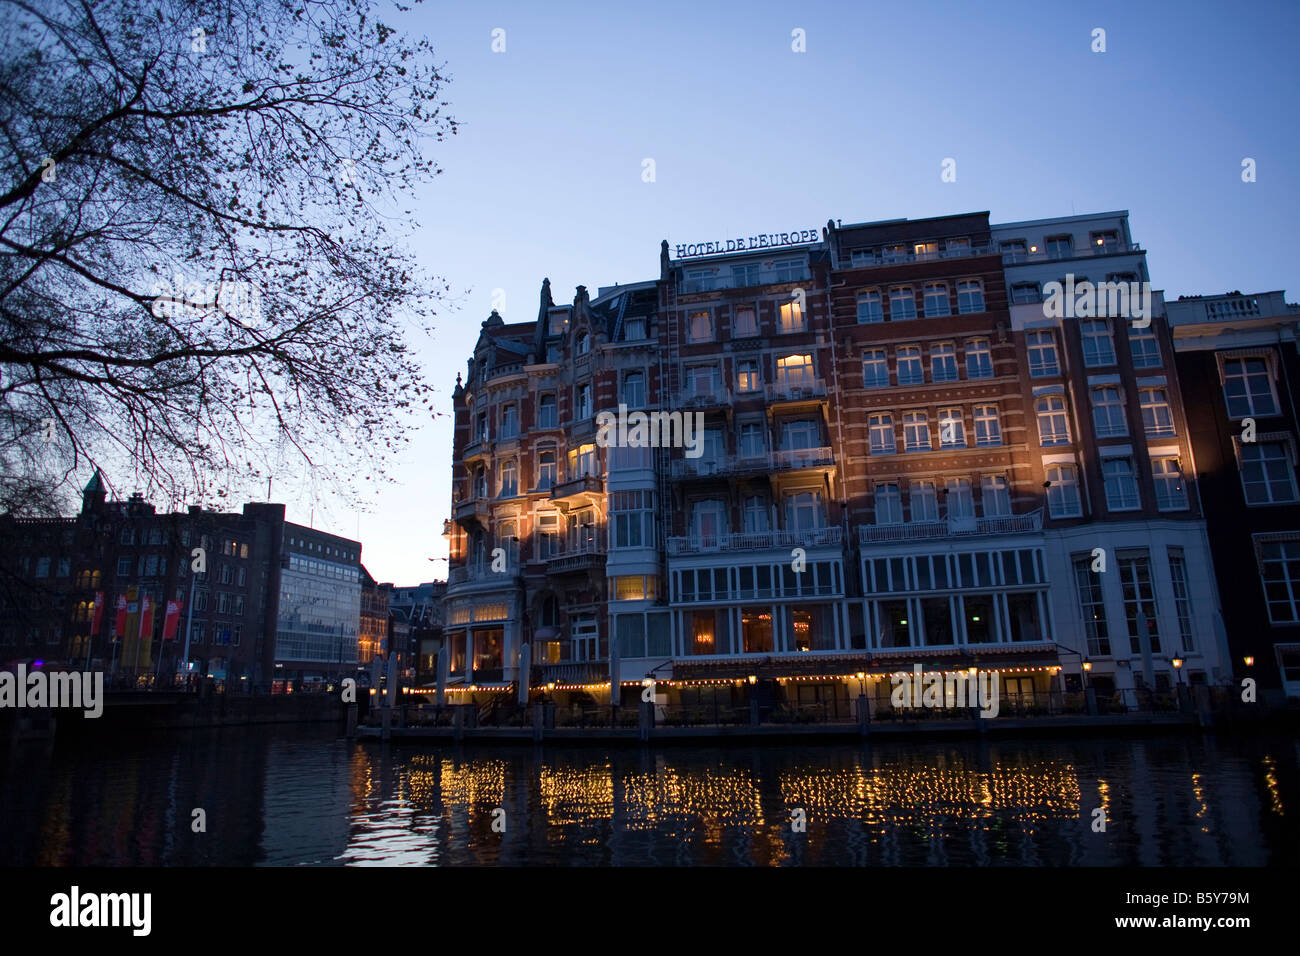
(796,390)
(756,540)
(691,398)
(920,530)
(708,465)
(743,280)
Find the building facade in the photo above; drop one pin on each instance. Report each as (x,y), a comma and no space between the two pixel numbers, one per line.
(899,444)
(1237,353)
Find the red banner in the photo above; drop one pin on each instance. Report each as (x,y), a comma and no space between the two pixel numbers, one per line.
(146,619)
(98,618)
(119,625)
(172,620)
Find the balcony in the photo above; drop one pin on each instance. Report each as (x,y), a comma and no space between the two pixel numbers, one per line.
(715,466)
(693,399)
(874,260)
(472,511)
(1229,308)
(742,279)
(800,390)
(782,540)
(479,574)
(476,449)
(950,528)
(577,492)
(1080,252)
(582,557)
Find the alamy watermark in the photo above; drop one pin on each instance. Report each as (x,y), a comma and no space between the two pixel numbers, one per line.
(1086,300)
(651,430)
(61,689)
(181,299)
(938,689)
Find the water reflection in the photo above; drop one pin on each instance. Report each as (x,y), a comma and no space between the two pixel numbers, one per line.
(300,798)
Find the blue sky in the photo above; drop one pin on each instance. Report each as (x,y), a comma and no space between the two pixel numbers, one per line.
(545,176)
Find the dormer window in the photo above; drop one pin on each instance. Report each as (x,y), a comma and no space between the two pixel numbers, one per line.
(584,343)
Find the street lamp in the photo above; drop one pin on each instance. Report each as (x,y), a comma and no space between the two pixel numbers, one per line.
(1250,661)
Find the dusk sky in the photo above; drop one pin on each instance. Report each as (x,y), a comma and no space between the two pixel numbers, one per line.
(544,178)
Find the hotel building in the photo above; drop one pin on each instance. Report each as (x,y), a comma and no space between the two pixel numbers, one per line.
(901,458)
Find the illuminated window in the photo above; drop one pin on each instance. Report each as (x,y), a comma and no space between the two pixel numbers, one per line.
(747,377)
(792,319)
(794,370)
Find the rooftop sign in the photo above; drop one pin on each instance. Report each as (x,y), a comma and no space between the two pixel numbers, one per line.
(769,240)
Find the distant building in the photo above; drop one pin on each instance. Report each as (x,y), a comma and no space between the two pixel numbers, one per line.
(277,601)
(416,616)
(372,633)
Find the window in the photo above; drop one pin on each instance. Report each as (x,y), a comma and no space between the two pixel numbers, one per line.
(1139,598)
(889,504)
(952,428)
(127,536)
(1121,484)
(943,362)
(43,567)
(509,421)
(480,483)
(632,519)
(747,378)
(1279,566)
(1088,585)
(1267,476)
(1182,598)
(1053,421)
(902,304)
(870,308)
(702,379)
(988,430)
(753,440)
(509,479)
(1014,250)
(910,369)
(979,359)
(925,250)
(241,577)
(1143,349)
(799,434)
(1059,247)
(1098,346)
(582,461)
(633,390)
(582,407)
(970,296)
(788,270)
(708,522)
(584,343)
(791,317)
(794,370)
(64,567)
(482,430)
(558,321)
(995,496)
(1104,242)
(924,501)
(875,369)
(1171,493)
(755,515)
(548,535)
(936,299)
(1063,499)
(916,431)
(881,429)
(634,329)
(1025,293)
(745,274)
(746,323)
(1042,355)
(123,566)
(701,327)
(803,511)
(1157,418)
(546,417)
(1248,388)
(957,247)
(1108,412)
(960,501)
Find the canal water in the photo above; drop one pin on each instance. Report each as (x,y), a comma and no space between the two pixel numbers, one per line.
(290,797)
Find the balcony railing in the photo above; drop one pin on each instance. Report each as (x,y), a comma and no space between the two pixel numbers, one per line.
(1059,255)
(578,488)
(479,574)
(756,541)
(582,555)
(952,527)
(720,465)
(796,390)
(712,398)
(1220,308)
(860,260)
(743,280)
(471,509)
